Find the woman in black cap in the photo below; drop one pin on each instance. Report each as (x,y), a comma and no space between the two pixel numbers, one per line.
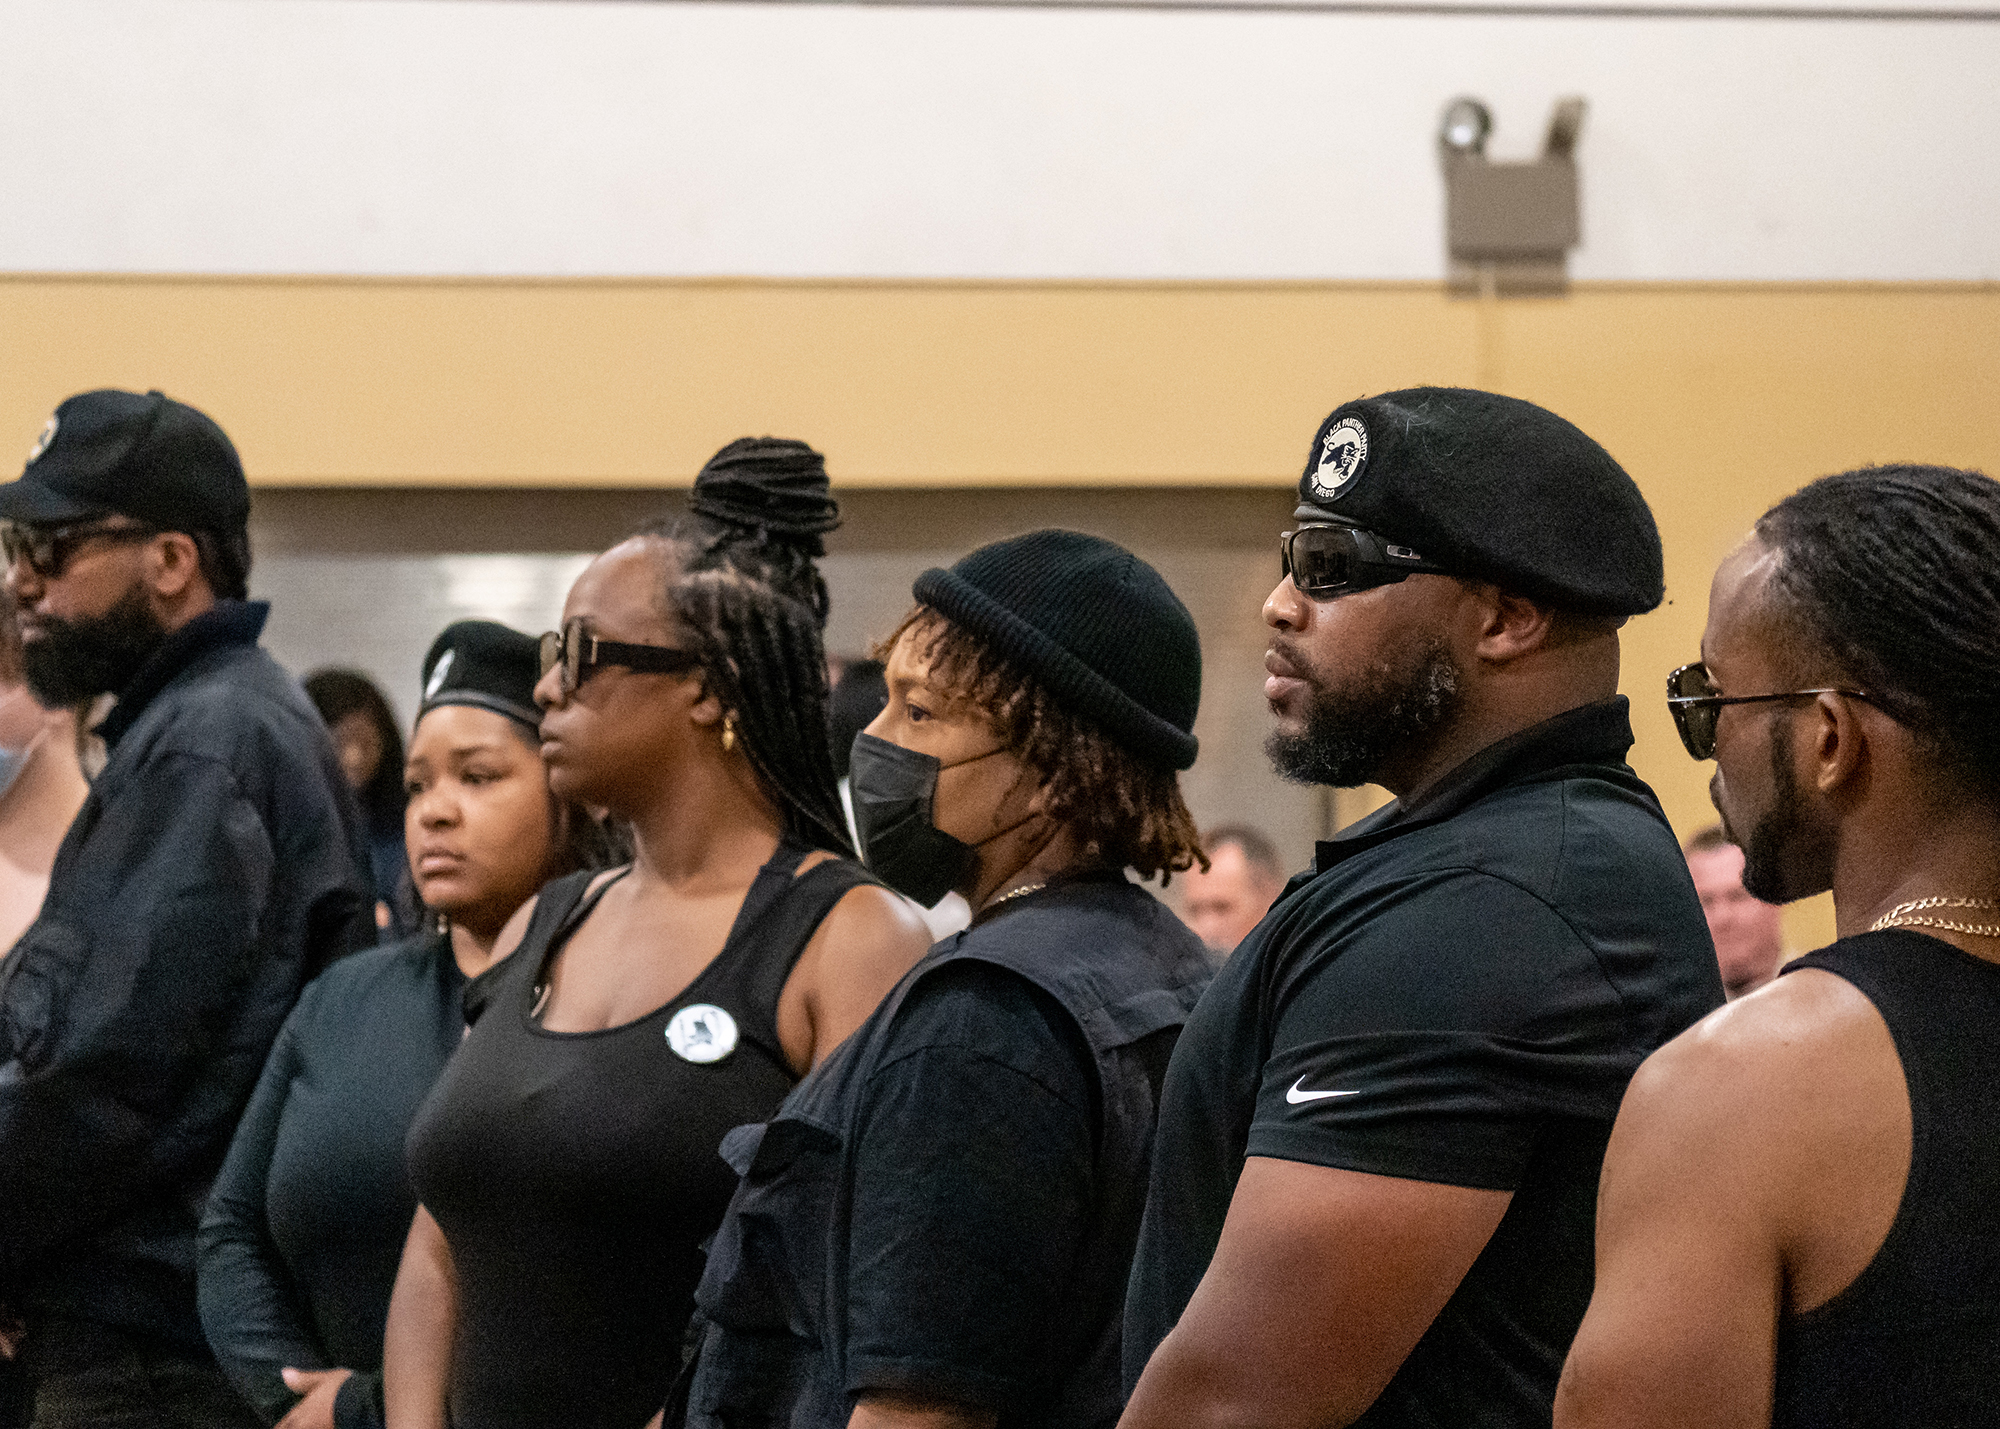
(306,1223)
(566,1161)
(935,1229)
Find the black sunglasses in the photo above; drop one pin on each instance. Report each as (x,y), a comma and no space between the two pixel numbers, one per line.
(1696,707)
(1326,561)
(581,654)
(48,550)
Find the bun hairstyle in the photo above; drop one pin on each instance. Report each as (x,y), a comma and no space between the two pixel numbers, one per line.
(746,587)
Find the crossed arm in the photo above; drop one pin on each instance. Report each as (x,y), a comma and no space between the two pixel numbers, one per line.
(1322,1284)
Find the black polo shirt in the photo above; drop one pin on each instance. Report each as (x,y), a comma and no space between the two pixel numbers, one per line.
(1458,992)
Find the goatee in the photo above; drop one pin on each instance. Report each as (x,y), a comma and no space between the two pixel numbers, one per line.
(1351,734)
(72,661)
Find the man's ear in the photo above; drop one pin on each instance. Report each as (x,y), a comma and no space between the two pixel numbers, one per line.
(1837,744)
(1510,625)
(173,564)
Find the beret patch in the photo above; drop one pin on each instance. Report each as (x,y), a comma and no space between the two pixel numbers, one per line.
(1343,451)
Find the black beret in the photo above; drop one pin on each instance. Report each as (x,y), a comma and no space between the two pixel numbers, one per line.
(483,663)
(1094,624)
(148,457)
(1493,488)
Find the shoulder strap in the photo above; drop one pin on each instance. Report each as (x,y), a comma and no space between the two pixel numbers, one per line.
(780,914)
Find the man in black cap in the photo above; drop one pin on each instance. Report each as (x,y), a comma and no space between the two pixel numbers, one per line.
(216,864)
(1373,1191)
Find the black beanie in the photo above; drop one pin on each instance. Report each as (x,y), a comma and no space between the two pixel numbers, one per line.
(1093,624)
(483,663)
(1492,488)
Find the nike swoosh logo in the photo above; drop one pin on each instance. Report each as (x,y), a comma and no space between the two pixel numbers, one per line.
(1295,1096)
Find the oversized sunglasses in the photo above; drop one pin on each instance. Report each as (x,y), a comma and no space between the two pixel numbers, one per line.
(579,655)
(1326,561)
(48,550)
(1696,707)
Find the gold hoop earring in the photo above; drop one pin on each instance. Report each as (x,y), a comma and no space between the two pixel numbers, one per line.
(728,733)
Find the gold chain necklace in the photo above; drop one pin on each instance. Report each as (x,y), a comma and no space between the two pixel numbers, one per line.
(1901,916)
(1022,892)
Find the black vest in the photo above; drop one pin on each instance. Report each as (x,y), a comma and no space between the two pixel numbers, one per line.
(771,1350)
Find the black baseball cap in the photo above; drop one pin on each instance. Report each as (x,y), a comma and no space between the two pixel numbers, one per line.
(1491,488)
(120,453)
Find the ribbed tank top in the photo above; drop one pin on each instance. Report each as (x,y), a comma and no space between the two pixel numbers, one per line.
(575,1175)
(1915,1340)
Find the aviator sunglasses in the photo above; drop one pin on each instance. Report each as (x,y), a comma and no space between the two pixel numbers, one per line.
(579,655)
(1326,561)
(48,550)
(1696,707)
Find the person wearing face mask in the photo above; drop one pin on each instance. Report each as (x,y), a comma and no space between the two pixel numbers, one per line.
(305,1228)
(935,1229)
(566,1161)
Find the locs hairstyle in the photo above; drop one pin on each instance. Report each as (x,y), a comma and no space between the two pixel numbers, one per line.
(745,585)
(1123,810)
(1887,576)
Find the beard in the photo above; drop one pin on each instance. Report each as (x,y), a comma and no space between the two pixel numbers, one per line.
(1351,734)
(1779,837)
(72,661)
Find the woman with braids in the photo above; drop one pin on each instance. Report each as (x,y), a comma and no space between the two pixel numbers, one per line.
(566,1161)
(935,1229)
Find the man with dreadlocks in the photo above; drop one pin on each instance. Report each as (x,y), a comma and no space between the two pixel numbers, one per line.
(935,1229)
(566,1160)
(1800,1217)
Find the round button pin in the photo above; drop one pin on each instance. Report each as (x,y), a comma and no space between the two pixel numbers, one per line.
(702,1033)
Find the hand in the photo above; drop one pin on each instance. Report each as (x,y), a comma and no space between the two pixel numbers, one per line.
(317,1388)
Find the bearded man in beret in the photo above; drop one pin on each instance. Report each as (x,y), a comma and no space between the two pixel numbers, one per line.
(1379,1140)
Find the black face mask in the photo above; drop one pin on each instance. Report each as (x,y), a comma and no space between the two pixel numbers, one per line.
(894,789)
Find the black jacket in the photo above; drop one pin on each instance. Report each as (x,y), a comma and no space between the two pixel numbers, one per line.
(217,863)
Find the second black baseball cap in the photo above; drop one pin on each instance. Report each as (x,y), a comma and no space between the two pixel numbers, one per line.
(140,455)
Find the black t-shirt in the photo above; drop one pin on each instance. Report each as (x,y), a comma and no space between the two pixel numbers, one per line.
(974,1151)
(1458,993)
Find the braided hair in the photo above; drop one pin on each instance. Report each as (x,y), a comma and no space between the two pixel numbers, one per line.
(746,587)
(1891,575)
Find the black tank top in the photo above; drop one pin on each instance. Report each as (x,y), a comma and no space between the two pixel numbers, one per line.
(1915,1340)
(575,1175)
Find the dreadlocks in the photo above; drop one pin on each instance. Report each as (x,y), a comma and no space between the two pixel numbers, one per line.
(1123,810)
(745,585)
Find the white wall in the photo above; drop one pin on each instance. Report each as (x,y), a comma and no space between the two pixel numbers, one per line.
(475,137)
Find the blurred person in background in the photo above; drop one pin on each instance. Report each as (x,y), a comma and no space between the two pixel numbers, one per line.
(1223,902)
(1380,1138)
(41,786)
(363,729)
(1749,933)
(566,1160)
(303,1234)
(217,865)
(1800,1217)
(860,691)
(936,1227)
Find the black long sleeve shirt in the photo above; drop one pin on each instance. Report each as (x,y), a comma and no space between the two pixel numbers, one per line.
(304,1231)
